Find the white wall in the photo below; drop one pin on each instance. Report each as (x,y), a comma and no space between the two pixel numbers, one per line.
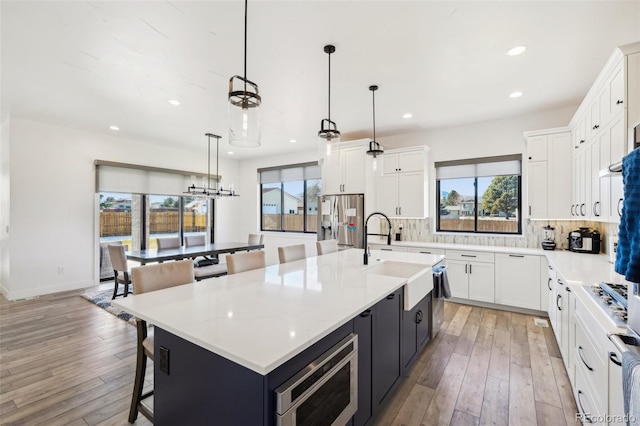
(53,206)
(4,202)
(249,212)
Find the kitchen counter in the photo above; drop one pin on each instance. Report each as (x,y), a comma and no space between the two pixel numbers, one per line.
(449,246)
(260,319)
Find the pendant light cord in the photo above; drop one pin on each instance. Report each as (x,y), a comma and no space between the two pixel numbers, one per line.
(329,113)
(209,164)
(373,93)
(245,43)
(217,159)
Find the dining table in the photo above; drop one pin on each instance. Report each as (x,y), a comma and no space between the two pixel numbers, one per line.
(177,253)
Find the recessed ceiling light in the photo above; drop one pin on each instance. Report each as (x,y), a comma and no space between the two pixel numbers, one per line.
(293,141)
(114,127)
(230,152)
(174,102)
(518,50)
(515,95)
(407,115)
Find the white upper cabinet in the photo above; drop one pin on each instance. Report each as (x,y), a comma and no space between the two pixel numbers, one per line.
(601,129)
(549,173)
(343,171)
(401,189)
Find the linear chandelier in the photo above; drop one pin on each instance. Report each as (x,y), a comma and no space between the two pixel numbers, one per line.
(207,190)
(244,114)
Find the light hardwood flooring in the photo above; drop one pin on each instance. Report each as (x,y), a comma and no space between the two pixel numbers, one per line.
(63,361)
(485,367)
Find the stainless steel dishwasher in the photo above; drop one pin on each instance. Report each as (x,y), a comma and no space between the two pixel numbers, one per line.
(437,296)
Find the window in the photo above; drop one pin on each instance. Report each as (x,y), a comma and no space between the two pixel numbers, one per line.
(289,198)
(481,195)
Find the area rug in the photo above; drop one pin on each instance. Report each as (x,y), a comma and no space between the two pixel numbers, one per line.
(102,299)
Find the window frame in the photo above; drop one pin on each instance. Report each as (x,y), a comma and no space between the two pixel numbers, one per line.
(282,198)
(475,230)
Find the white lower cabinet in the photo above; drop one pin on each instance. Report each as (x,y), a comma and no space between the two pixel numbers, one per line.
(614,395)
(517,280)
(471,275)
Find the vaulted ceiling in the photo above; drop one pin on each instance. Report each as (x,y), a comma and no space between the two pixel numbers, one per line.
(91,65)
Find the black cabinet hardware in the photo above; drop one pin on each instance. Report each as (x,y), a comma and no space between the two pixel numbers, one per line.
(582,359)
(614,358)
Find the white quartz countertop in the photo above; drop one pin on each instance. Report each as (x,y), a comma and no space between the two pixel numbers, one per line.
(583,268)
(463,247)
(262,318)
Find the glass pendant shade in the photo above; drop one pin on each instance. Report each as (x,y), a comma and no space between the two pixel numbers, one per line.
(375,149)
(329,133)
(244,114)
(244,102)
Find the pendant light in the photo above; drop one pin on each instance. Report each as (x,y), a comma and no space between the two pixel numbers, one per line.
(329,132)
(375,148)
(206,190)
(244,114)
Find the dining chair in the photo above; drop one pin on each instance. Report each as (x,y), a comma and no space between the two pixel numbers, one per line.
(327,246)
(195,240)
(291,253)
(255,239)
(120,269)
(245,261)
(168,242)
(145,279)
(204,266)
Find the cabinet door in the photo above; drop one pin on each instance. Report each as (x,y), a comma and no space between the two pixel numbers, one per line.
(563,321)
(537,148)
(594,119)
(409,336)
(604,183)
(616,89)
(616,401)
(588,180)
(560,176)
(481,282)
(411,161)
(538,193)
(424,323)
(518,280)
(595,206)
(617,150)
(411,195)
(604,99)
(332,173)
(386,346)
(362,326)
(457,272)
(390,164)
(544,284)
(353,169)
(387,194)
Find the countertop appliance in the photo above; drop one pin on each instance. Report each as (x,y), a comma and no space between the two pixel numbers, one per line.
(549,242)
(584,240)
(341,218)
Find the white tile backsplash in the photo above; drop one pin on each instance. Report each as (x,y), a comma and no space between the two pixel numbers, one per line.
(533,233)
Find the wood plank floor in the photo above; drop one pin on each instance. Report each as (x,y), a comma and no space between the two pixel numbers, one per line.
(63,361)
(485,367)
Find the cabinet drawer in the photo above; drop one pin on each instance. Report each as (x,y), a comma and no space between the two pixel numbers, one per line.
(386,247)
(592,363)
(425,250)
(587,406)
(470,256)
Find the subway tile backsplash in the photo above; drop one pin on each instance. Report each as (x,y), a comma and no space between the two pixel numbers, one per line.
(420,230)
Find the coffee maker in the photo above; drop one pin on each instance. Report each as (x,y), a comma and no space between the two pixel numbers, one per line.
(584,240)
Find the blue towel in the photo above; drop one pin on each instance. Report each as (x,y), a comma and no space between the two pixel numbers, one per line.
(631,386)
(628,254)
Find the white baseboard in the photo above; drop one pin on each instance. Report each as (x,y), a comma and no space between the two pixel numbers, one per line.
(41,291)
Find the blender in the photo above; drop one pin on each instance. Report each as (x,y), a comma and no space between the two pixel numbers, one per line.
(549,242)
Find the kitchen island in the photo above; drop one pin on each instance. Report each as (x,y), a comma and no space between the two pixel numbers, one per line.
(230,341)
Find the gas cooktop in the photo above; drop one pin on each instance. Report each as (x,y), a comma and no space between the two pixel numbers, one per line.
(612,298)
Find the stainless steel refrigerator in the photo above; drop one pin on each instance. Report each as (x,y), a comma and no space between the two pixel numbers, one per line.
(341,217)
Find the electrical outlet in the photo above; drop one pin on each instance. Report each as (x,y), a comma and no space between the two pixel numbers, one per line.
(164,360)
(60,270)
